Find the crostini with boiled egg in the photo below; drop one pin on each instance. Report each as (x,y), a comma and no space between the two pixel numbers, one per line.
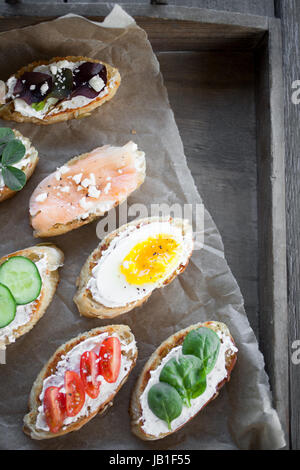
(50,91)
(80,381)
(28,281)
(130,263)
(183,375)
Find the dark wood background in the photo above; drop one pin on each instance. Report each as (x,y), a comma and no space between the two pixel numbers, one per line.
(289,12)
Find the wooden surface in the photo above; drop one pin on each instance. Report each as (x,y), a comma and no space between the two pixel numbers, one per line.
(254,7)
(289,11)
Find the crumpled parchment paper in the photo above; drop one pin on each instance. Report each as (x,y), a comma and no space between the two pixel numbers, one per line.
(242,416)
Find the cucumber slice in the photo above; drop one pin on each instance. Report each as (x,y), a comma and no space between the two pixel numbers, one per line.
(23,279)
(8,306)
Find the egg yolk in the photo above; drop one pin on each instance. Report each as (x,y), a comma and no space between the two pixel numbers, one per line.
(150,260)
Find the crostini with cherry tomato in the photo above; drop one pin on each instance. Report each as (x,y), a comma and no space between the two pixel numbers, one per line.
(80,380)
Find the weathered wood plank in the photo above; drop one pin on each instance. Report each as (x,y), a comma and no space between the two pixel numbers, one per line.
(134,9)
(14,2)
(254,7)
(173,35)
(289,11)
(271,215)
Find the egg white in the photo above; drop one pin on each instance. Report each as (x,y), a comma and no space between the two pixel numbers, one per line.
(110,287)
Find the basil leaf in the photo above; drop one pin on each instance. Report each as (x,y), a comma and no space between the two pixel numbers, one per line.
(63,84)
(13,152)
(171,375)
(203,343)
(2,147)
(165,402)
(194,376)
(14,178)
(6,135)
(186,375)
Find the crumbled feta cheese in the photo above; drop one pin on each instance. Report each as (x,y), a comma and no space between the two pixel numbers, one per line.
(92,179)
(77,178)
(85,204)
(85,183)
(53,69)
(41,197)
(44,88)
(61,171)
(107,188)
(32,87)
(96,83)
(65,189)
(94,192)
(64,64)
(64,169)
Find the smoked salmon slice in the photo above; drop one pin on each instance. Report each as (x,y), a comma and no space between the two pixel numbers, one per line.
(85,188)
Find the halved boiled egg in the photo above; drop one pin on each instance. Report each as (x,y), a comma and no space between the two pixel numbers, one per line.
(141,257)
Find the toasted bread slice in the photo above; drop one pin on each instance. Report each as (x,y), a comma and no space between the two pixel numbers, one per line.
(83,298)
(153,363)
(53,259)
(30,420)
(8,112)
(30,161)
(136,171)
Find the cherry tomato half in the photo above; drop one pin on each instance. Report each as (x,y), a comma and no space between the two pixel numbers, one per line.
(54,408)
(89,373)
(110,359)
(75,394)
(62,399)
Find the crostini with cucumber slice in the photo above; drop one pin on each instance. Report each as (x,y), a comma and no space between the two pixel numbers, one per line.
(18,159)
(181,377)
(28,281)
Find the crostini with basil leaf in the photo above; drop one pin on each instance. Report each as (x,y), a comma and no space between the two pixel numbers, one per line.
(181,377)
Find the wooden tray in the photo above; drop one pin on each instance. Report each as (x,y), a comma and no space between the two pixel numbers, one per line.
(223,72)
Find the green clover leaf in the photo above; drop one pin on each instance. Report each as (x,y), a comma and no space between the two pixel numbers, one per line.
(14,178)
